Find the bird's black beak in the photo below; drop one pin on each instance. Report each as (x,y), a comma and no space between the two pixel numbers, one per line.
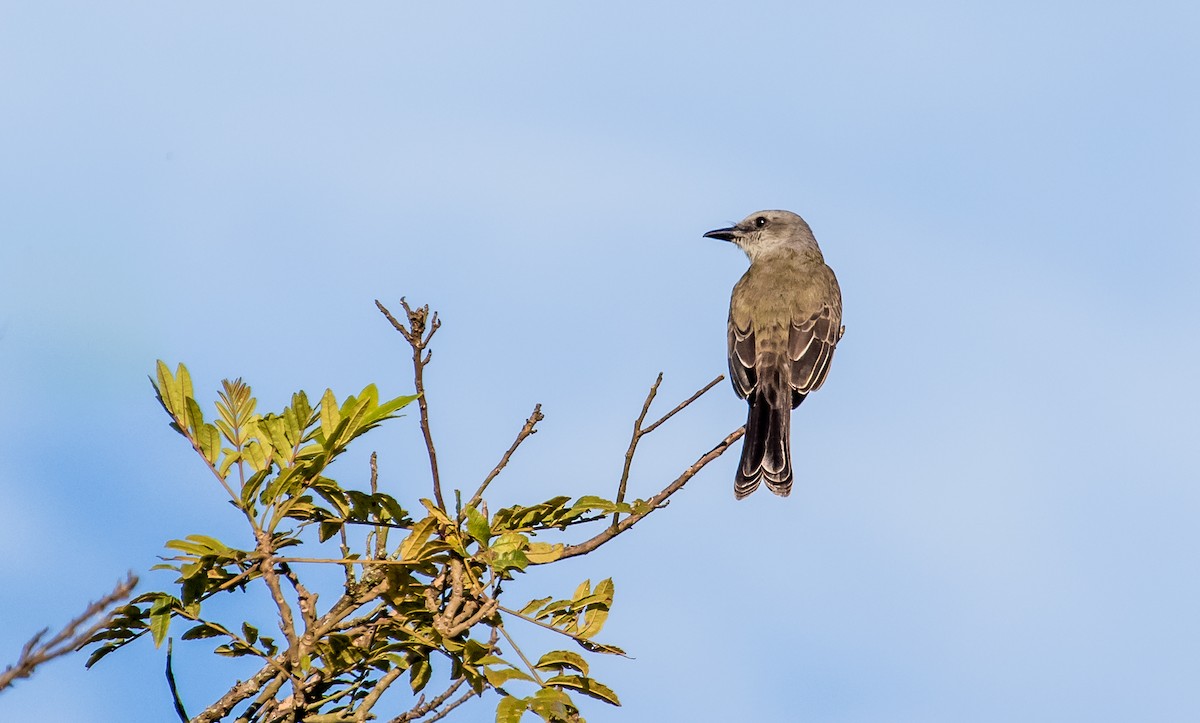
(724,234)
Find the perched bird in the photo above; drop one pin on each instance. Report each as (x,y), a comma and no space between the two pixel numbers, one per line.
(785,319)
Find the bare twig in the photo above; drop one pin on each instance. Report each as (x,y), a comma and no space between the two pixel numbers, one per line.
(654,502)
(633,442)
(35,652)
(419,320)
(639,431)
(526,431)
(446,711)
(683,405)
(380,533)
(423,709)
(517,649)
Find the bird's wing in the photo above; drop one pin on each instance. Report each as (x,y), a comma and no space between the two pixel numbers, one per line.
(810,349)
(741,356)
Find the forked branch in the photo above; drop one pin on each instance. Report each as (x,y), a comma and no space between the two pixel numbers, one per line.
(420,321)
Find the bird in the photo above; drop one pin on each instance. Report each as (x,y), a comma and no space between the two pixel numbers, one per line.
(785,321)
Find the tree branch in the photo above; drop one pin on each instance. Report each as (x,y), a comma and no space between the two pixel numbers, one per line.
(683,405)
(418,321)
(35,652)
(655,502)
(633,442)
(639,431)
(526,432)
(446,711)
(423,709)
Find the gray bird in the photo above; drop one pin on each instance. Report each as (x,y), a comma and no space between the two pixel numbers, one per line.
(785,319)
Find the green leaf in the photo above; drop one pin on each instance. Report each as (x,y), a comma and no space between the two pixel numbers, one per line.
(251,488)
(354,423)
(584,589)
(534,605)
(164,383)
(328,529)
(509,542)
(477,526)
(209,441)
(587,686)
(419,674)
(509,560)
(592,502)
(389,505)
(553,704)
(596,608)
(160,623)
(329,415)
(195,417)
(184,380)
(384,411)
(437,512)
(540,553)
(511,709)
(560,659)
(509,551)
(416,539)
(100,652)
(204,630)
(498,677)
(257,455)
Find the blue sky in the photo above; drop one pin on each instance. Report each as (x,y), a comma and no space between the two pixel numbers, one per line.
(995,517)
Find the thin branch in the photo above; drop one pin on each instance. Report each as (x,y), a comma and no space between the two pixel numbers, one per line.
(633,442)
(683,405)
(419,320)
(423,709)
(344,561)
(268,694)
(179,709)
(639,431)
(364,709)
(526,431)
(446,711)
(287,624)
(521,655)
(305,599)
(380,533)
(364,591)
(237,694)
(35,652)
(655,502)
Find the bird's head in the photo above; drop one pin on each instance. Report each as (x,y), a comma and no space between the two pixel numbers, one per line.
(763,232)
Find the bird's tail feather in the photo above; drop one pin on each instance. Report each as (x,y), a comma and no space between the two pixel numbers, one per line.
(766,451)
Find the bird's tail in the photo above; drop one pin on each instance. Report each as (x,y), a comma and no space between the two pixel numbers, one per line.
(766,451)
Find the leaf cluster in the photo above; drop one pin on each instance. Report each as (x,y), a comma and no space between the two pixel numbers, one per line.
(417,588)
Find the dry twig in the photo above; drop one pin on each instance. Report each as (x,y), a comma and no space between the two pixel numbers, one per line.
(526,432)
(35,652)
(419,320)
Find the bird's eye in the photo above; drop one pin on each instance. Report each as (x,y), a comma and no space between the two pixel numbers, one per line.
(760,221)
